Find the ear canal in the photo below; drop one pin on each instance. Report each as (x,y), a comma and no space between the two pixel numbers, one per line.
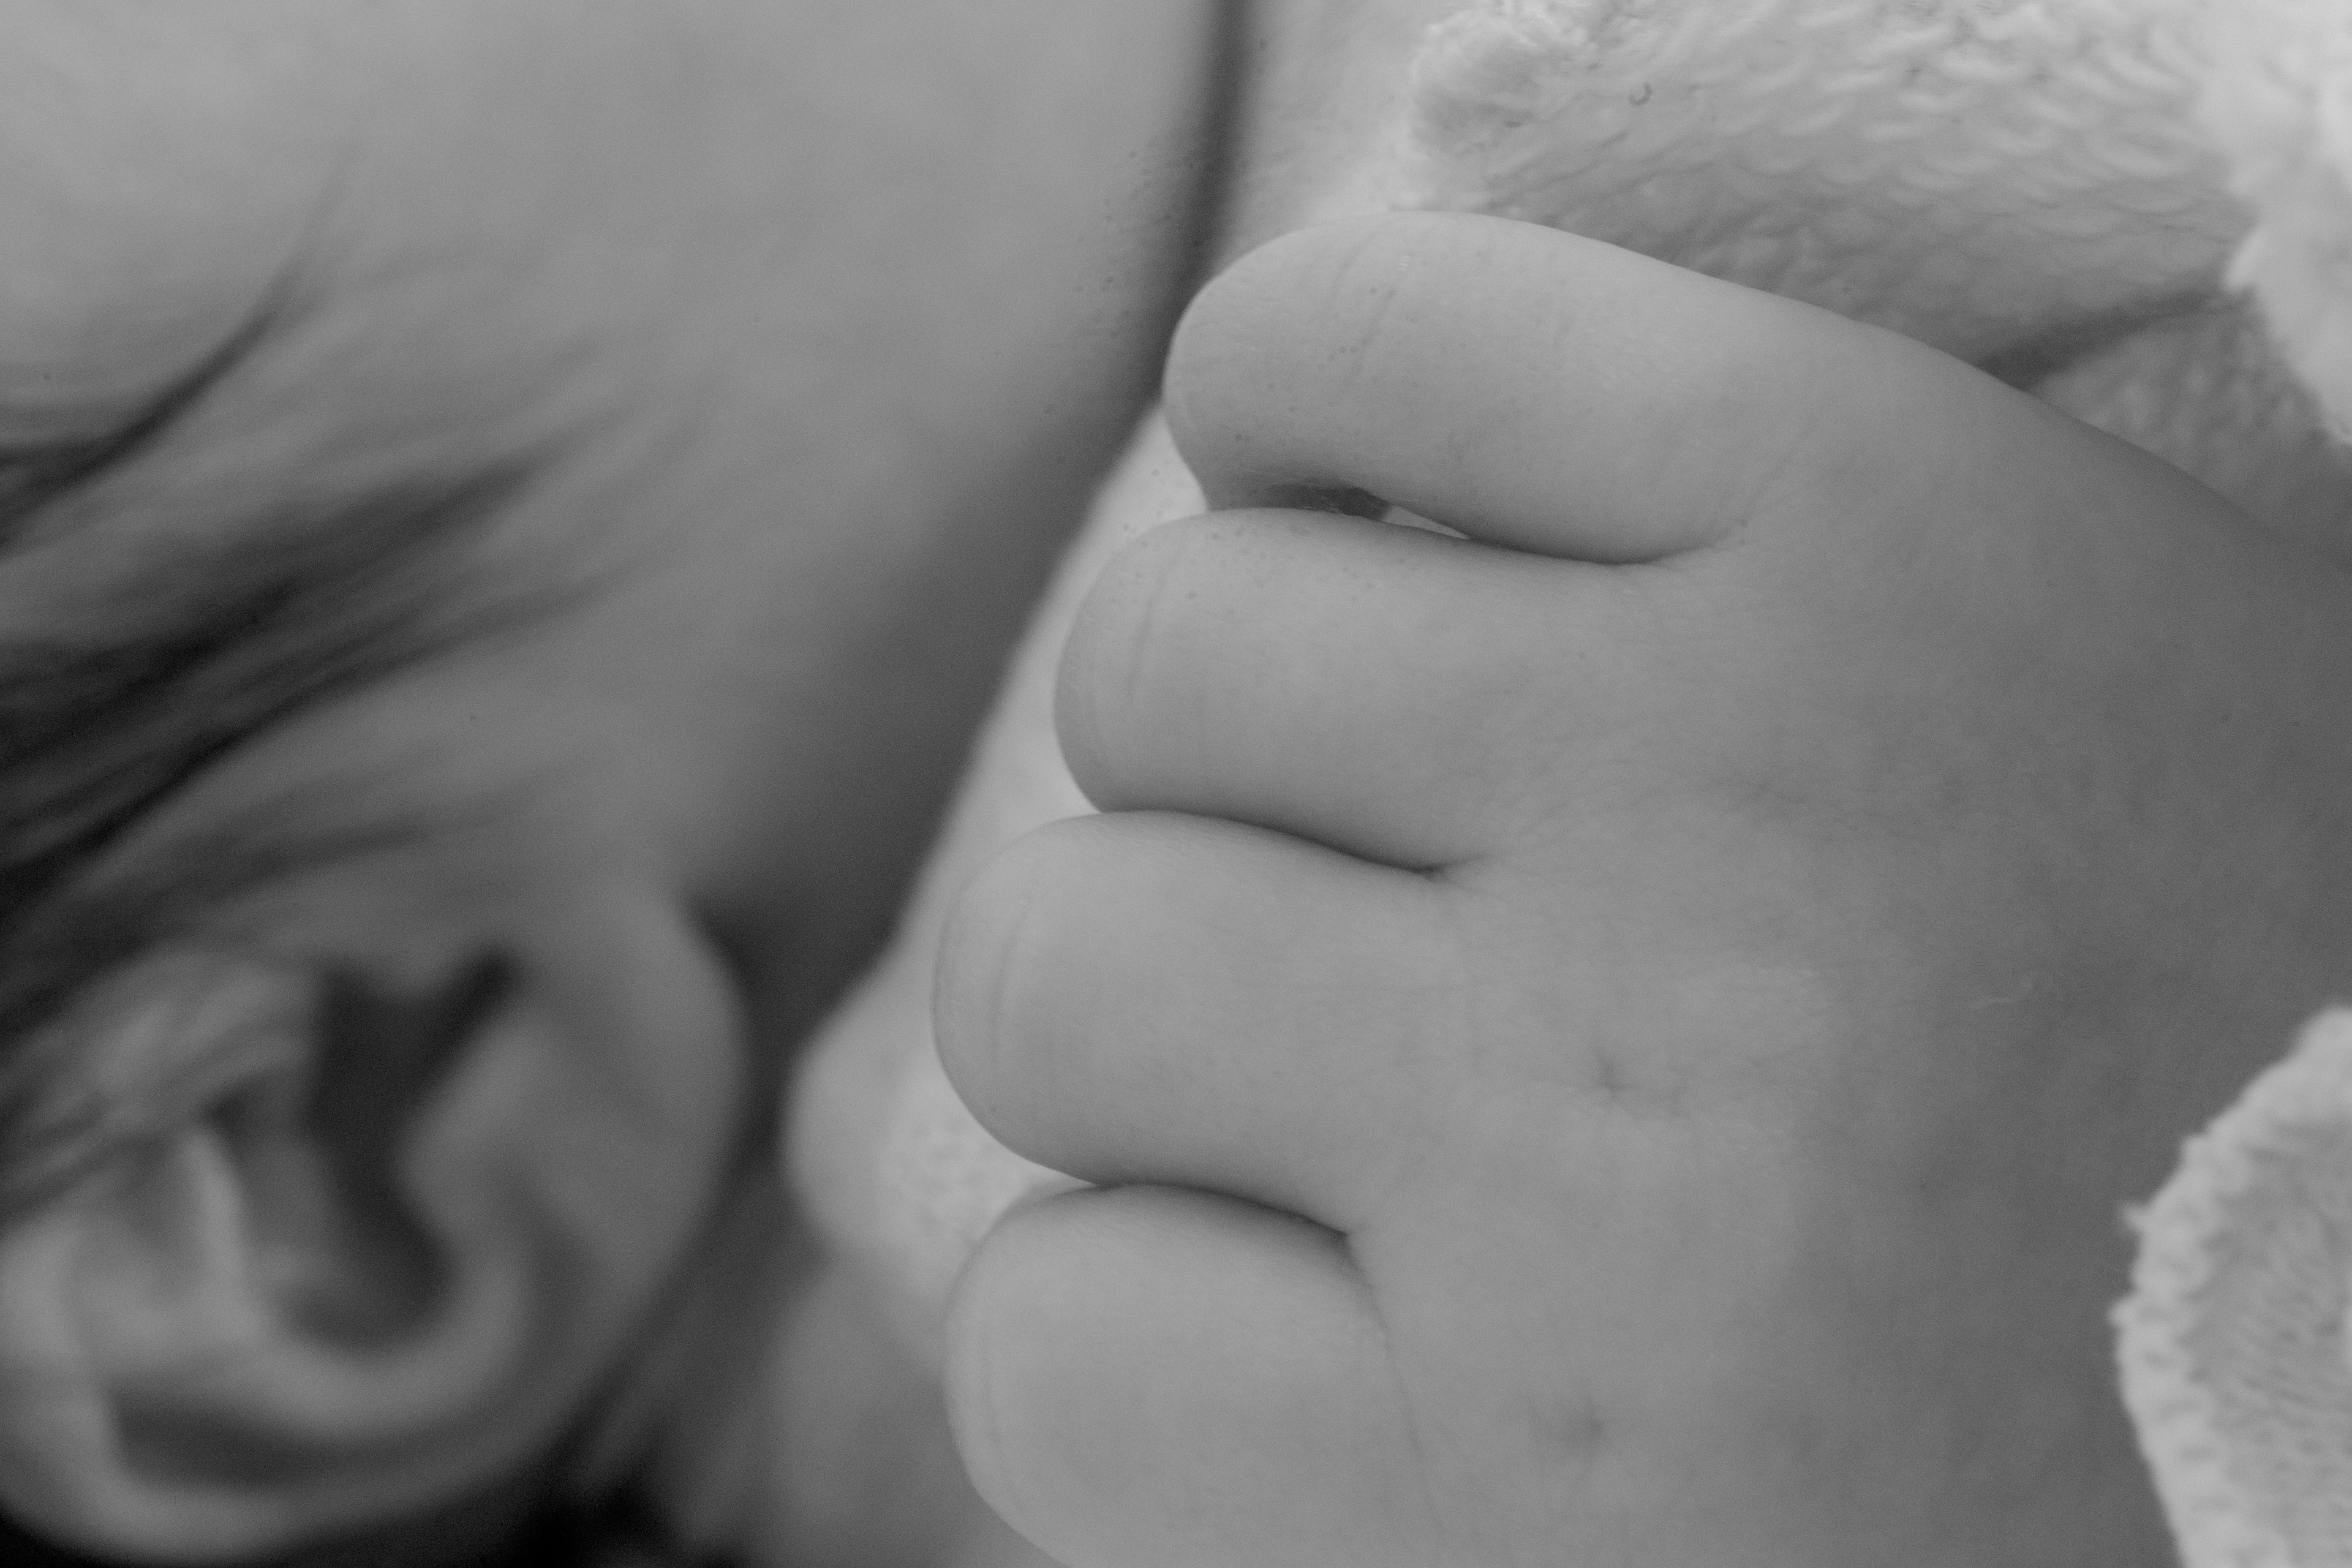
(323,1152)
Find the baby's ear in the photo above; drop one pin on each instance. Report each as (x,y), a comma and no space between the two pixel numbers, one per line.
(379,1256)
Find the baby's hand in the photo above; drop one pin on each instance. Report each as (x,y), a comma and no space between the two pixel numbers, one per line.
(1624,1038)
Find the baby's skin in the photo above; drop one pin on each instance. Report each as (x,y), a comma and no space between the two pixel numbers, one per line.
(1624,1038)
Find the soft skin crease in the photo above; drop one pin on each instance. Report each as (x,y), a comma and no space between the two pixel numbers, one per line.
(809,327)
(1624,1038)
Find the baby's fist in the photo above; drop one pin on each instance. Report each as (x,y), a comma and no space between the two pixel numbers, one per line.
(1622,1036)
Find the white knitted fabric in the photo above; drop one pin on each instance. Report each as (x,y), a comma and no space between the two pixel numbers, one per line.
(2278,96)
(2233,1339)
(2055,189)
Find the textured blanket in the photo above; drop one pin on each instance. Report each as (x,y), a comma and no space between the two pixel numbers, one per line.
(2140,210)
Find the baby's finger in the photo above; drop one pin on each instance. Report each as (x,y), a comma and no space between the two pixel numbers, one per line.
(1148,997)
(1539,390)
(1151,1376)
(1348,682)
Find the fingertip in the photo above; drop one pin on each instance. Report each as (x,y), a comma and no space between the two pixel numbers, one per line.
(1233,353)
(971,983)
(973,1371)
(1128,644)
(1095,680)
(1150,1374)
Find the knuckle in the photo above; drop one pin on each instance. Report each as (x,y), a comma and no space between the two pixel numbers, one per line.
(981,1010)
(996,1330)
(1013,1009)
(1810,419)
(1120,671)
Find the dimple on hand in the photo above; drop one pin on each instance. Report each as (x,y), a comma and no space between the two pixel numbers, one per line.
(1621,1037)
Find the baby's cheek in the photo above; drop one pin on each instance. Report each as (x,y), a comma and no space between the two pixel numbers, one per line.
(2205,392)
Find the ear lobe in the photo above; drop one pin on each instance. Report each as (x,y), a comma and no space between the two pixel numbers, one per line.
(356,1288)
